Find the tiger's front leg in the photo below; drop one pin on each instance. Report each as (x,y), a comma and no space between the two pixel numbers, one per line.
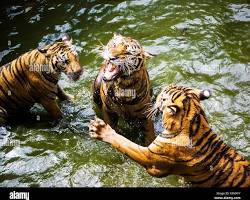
(101,131)
(110,118)
(152,162)
(148,128)
(62,95)
(52,107)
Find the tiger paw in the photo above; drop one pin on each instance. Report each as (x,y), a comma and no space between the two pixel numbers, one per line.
(98,129)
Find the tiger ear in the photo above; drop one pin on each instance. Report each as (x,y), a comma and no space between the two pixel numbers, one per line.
(205,94)
(66,39)
(172,110)
(43,49)
(116,35)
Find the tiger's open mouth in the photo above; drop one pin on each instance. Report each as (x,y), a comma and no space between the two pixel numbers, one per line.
(111,71)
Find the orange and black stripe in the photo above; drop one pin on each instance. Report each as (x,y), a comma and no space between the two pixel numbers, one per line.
(21,86)
(208,161)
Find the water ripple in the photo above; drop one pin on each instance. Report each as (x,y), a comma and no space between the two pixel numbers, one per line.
(199,45)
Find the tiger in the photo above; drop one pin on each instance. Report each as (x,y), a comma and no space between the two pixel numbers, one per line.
(122,87)
(33,78)
(187,146)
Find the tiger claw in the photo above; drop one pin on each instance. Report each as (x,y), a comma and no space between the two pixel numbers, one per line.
(101,122)
(92,128)
(93,134)
(98,122)
(98,129)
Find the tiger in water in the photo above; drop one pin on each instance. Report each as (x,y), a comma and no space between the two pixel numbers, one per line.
(187,147)
(122,87)
(33,78)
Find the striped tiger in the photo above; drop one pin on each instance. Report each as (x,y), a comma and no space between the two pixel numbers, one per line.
(187,147)
(33,78)
(122,87)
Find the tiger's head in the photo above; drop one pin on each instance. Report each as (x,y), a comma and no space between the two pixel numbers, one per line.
(62,57)
(123,56)
(180,108)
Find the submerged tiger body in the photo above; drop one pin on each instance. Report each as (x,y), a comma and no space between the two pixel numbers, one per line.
(187,147)
(33,78)
(122,87)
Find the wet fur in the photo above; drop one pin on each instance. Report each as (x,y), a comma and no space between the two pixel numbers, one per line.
(188,147)
(20,87)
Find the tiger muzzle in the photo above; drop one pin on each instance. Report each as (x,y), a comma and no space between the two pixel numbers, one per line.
(111,71)
(75,75)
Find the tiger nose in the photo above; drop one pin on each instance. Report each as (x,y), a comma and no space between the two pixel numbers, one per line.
(76,74)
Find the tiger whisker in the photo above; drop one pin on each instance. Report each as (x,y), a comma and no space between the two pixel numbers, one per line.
(101,44)
(151,112)
(150,108)
(128,70)
(99,48)
(125,69)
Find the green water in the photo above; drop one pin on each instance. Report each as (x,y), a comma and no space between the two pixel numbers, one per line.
(202,44)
